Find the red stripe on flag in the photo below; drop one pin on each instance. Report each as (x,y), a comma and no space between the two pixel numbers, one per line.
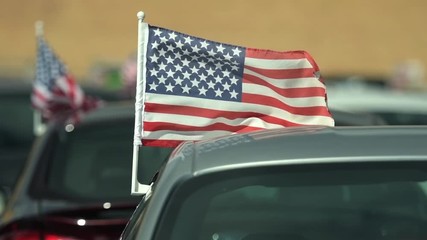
(72,90)
(273,102)
(312,61)
(57,92)
(269,54)
(159,126)
(160,143)
(39,95)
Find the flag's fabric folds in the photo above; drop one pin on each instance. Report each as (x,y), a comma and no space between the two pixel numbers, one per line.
(197,89)
(55,91)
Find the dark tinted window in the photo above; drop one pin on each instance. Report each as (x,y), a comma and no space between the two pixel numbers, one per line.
(393,118)
(16,135)
(94,162)
(16,122)
(337,202)
(343,118)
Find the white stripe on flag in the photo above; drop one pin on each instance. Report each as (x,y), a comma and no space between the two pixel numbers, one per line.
(204,121)
(277,64)
(288,83)
(183,135)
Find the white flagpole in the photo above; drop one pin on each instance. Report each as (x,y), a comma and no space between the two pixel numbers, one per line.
(138,188)
(38,126)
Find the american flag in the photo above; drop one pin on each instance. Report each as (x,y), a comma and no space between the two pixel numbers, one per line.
(55,91)
(199,89)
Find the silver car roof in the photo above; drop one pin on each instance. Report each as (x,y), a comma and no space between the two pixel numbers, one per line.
(305,144)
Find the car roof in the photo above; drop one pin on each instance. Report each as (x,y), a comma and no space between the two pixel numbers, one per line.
(10,87)
(124,109)
(316,144)
(107,112)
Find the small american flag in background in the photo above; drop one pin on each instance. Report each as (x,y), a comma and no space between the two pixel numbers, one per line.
(55,91)
(198,89)
(128,76)
(128,71)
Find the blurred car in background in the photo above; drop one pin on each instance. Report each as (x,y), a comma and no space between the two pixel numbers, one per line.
(376,81)
(16,126)
(76,182)
(394,107)
(345,118)
(296,183)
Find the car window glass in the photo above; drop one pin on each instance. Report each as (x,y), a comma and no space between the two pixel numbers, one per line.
(16,135)
(150,161)
(18,125)
(95,163)
(350,203)
(403,118)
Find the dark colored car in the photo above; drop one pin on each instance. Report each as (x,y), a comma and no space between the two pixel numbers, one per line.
(16,130)
(299,183)
(76,184)
(16,126)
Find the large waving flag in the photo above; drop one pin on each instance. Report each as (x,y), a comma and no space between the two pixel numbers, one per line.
(55,91)
(197,89)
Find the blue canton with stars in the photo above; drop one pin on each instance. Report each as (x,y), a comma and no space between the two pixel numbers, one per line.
(49,67)
(179,64)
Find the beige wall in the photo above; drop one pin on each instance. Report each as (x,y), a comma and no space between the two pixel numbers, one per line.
(356,36)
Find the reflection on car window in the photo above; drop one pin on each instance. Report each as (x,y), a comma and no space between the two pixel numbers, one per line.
(326,203)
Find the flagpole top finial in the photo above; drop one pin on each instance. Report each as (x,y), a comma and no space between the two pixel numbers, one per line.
(140,15)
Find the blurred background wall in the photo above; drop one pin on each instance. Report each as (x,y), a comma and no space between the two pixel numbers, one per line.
(345,37)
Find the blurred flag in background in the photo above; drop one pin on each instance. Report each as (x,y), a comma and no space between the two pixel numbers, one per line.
(128,75)
(55,91)
(198,89)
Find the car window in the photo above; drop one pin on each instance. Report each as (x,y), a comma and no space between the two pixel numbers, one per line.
(393,118)
(16,135)
(16,123)
(358,201)
(94,162)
